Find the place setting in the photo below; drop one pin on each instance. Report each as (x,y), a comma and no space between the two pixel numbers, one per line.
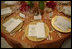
(36,21)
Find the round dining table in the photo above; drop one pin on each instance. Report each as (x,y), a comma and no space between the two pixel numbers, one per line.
(18,39)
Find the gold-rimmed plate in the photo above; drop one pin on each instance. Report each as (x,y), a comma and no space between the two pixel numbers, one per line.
(16,29)
(54,19)
(35,38)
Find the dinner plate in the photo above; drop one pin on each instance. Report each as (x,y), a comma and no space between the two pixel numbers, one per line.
(35,38)
(16,29)
(54,19)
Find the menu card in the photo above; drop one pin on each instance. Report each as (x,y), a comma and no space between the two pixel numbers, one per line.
(32,30)
(6,11)
(8,22)
(62,23)
(12,24)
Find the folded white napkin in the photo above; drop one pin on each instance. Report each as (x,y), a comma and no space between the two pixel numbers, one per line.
(40,30)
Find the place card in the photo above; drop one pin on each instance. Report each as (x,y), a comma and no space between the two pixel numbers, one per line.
(21,15)
(50,14)
(37,17)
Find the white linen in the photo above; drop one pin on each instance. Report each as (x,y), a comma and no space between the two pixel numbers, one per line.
(40,30)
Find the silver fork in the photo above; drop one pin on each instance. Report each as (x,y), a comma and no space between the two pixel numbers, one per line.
(58,33)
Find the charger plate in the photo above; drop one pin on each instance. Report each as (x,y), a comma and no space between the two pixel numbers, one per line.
(35,38)
(54,19)
(16,29)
